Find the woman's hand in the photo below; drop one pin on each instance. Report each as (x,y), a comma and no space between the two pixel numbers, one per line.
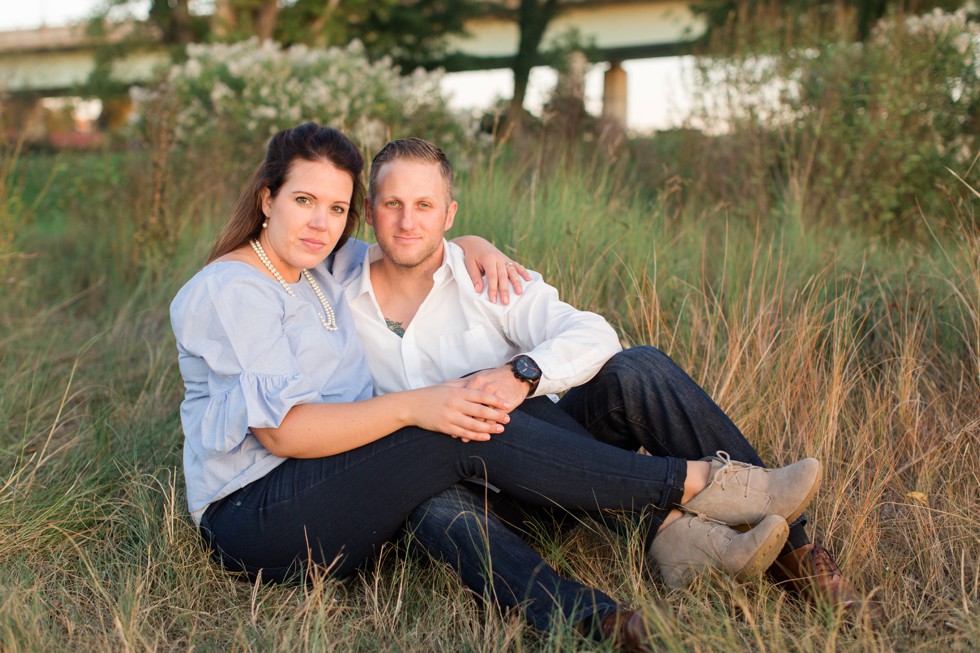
(482,258)
(461,412)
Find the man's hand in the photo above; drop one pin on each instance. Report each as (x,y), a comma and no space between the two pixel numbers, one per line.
(462,412)
(500,382)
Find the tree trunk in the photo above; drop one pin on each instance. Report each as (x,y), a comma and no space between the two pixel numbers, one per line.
(532,20)
(224,19)
(317,34)
(264,19)
(180,30)
(232,17)
(174,19)
(869,13)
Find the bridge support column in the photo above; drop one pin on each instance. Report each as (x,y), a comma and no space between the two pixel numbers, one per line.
(614,94)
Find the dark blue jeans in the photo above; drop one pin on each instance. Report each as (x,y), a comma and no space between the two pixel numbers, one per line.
(640,398)
(337,511)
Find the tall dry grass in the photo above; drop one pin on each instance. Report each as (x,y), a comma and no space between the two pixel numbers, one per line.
(823,343)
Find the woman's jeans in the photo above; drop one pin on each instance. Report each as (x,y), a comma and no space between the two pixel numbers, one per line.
(337,511)
(639,398)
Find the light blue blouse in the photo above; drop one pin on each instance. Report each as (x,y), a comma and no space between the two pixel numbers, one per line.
(248,352)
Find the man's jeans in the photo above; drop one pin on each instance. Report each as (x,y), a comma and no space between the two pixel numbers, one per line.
(640,398)
(336,511)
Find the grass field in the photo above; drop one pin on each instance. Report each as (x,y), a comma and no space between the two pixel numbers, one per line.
(862,351)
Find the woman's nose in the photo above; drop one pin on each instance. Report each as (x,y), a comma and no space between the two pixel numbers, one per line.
(319,220)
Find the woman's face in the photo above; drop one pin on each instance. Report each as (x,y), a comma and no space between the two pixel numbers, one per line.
(306,217)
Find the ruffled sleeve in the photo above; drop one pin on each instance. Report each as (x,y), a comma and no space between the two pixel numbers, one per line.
(239,366)
(253,401)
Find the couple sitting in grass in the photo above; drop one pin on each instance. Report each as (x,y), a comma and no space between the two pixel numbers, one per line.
(339,395)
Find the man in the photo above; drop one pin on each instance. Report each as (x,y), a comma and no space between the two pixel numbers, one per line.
(422,323)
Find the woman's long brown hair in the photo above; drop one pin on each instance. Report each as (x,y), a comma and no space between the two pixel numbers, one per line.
(308,142)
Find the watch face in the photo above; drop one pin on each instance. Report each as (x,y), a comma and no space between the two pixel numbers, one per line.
(526,368)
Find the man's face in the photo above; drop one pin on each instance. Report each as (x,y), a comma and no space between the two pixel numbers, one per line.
(410,212)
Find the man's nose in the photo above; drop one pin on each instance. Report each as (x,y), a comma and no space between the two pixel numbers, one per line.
(407,220)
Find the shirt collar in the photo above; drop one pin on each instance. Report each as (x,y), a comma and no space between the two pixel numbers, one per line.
(361,283)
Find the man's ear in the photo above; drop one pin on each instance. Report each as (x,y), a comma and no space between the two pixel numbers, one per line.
(450,215)
(368,214)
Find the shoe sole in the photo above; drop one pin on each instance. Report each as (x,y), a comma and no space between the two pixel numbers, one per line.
(808,498)
(766,554)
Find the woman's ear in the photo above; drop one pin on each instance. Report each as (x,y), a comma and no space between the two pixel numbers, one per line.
(266,201)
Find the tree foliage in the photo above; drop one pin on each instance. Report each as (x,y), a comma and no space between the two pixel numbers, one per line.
(818,19)
(411,32)
(532,18)
(857,134)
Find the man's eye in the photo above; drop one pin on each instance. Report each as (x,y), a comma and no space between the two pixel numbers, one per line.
(391,203)
(425,205)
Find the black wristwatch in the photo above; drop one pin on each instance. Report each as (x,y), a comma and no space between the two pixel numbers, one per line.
(526,369)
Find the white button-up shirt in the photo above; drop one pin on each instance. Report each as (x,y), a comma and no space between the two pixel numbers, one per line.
(457,330)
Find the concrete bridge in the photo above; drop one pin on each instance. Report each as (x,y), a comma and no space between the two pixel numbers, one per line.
(55,61)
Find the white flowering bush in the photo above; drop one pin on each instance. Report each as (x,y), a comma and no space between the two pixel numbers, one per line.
(881,123)
(869,135)
(247,91)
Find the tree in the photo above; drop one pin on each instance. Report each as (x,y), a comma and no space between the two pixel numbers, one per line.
(532,20)
(168,21)
(790,14)
(234,20)
(412,32)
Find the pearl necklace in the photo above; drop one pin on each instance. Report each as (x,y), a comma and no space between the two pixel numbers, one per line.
(329,320)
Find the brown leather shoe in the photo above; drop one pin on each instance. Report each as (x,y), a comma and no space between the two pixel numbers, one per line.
(812,572)
(625,628)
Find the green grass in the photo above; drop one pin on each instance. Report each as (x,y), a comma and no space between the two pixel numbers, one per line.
(863,352)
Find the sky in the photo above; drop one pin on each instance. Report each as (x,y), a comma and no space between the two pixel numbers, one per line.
(19,14)
(656,93)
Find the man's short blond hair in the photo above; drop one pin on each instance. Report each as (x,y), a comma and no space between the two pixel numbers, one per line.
(411,149)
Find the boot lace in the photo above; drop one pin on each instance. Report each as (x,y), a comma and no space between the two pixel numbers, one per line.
(823,563)
(732,467)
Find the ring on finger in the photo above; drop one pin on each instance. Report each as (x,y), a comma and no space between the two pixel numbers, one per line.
(509,264)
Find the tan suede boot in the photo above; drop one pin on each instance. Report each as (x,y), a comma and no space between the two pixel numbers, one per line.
(693,543)
(739,493)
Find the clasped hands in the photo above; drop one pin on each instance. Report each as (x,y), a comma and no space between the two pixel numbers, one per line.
(475,407)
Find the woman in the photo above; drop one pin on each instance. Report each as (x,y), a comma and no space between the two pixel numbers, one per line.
(289,460)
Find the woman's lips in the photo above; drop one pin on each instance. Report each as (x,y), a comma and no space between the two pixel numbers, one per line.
(313,243)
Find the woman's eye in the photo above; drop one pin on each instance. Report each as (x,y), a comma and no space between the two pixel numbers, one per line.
(340,209)
(303,200)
